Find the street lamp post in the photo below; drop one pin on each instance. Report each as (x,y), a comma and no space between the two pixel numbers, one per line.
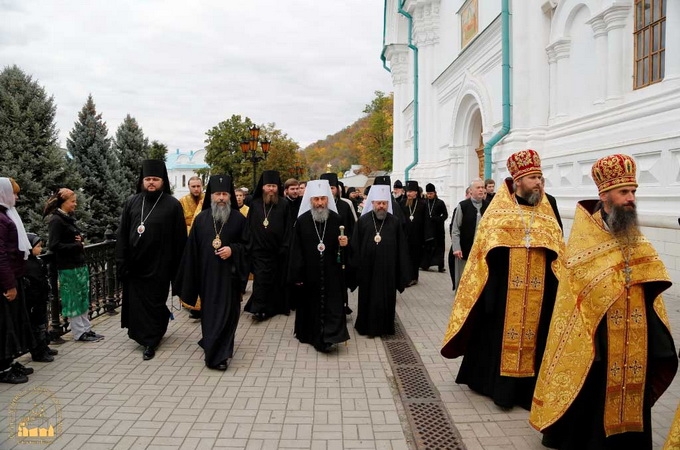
(249,149)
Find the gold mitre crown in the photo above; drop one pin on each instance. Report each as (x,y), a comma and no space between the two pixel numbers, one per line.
(614,171)
(523,163)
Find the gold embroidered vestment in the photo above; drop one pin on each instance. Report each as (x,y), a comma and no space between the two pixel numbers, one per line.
(600,283)
(529,232)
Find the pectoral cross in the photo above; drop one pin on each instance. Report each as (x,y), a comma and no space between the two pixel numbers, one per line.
(527,238)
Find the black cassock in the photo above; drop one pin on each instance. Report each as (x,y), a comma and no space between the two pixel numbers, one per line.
(147,263)
(381,270)
(217,281)
(433,253)
(320,316)
(268,250)
(418,231)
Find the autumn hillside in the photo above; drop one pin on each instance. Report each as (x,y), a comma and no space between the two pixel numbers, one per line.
(368,142)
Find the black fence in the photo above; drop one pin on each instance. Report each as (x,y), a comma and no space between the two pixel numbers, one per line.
(105,289)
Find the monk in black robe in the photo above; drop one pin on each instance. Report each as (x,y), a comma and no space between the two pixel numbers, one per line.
(320,318)
(433,253)
(268,234)
(151,239)
(417,228)
(379,258)
(213,267)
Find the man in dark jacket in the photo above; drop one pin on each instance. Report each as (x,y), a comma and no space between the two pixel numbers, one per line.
(467,215)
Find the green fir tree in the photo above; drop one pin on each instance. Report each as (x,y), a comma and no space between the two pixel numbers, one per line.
(97,164)
(131,148)
(29,149)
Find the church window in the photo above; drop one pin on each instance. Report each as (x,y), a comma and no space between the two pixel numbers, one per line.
(650,42)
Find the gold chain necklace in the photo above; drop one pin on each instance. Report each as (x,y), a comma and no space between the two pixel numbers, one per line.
(217,242)
(377,238)
(265,222)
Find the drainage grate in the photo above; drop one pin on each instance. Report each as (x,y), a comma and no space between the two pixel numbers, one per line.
(430,423)
(433,428)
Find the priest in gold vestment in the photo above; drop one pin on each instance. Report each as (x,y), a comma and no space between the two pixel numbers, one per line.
(610,354)
(501,313)
(192,205)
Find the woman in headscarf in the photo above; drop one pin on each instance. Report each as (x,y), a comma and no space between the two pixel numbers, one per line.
(16,337)
(66,242)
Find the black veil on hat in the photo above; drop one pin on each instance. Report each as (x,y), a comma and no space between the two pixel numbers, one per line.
(220,183)
(154,168)
(268,177)
(331,177)
(384,180)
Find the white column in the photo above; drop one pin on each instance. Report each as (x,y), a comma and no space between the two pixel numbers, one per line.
(426,38)
(615,19)
(600,33)
(399,58)
(558,52)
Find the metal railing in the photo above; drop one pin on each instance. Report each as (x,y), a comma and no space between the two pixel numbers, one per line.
(105,289)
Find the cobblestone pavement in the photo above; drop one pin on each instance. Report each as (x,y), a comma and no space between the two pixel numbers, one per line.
(277,393)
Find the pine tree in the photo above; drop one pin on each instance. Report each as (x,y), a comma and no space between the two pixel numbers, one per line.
(29,149)
(158,150)
(131,148)
(95,160)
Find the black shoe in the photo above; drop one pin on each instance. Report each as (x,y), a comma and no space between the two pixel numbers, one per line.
(550,441)
(20,369)
(221,366)
(149,353)
(52,352)
(95,335)
(12,377)
(194,314)
(57,340)
(87,338)
(442,270)
(45,357)
(260,317)
(326,347)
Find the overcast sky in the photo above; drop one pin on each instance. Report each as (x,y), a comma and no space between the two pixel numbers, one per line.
(180,67)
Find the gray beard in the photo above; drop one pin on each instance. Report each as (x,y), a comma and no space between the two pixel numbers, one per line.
(622,222)
(271,199)
(380,215)
(220,213)
(320,214)
(532,197)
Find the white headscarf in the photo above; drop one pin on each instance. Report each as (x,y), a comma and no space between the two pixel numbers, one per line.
(7,200)
(317,188)
(378,193)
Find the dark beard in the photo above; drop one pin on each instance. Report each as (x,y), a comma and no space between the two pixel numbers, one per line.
(623,222)
(220,213)
(319,214)
(271,199)
(380,215)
